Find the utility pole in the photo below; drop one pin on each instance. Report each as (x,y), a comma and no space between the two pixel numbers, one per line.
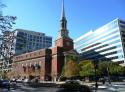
(96,67)
(109,80)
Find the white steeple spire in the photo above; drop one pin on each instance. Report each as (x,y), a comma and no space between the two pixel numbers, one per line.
(63,10)
(63,33)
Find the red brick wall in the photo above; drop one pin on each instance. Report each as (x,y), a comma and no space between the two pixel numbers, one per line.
(30,55)
(62,42)
(57,61)
(41,57)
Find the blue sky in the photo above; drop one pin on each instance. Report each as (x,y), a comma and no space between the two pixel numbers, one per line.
(82,15)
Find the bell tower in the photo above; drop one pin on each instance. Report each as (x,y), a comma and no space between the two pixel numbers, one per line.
(63,43)
(63,39)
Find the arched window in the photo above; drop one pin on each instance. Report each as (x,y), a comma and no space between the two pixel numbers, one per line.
(24,68)
(33,67)
(37,66)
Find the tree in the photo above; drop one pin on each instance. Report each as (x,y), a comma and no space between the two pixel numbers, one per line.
(103,68)
(71,69)
(71,57)
(6,39)
(116,69)
(1,6)
(86,68)
(6,23)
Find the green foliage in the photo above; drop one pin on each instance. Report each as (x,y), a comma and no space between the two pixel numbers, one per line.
(86,68)
(102,68)
(71,57)
(116,69)
(71,69)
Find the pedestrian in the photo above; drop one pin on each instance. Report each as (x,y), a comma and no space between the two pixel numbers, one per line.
(103,81)
(8,87)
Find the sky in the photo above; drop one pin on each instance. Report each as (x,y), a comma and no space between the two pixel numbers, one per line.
(82,15)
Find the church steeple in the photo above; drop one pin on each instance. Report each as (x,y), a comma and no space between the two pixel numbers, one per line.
(63,39)
(63,17)
(63,10)
(63,32)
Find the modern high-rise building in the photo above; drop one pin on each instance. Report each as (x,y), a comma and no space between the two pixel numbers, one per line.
(24,41)
(27,41)
(105,43)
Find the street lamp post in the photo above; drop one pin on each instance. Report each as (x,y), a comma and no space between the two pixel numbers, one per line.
(108,75)
(95,67)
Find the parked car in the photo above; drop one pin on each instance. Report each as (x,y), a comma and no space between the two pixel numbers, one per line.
(13,83)
(13,80)
(75,86)
(4,83)
(19,81)
(26,81)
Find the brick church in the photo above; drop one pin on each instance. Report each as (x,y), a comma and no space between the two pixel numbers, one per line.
(47,63)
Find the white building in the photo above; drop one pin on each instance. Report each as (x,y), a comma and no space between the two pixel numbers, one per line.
(27,41)
(105,43)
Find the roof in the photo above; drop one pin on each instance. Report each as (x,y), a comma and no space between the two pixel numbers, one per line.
(71,52)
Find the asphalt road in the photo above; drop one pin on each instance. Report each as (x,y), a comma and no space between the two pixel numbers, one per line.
(29,89)
(22,88)
(113,88)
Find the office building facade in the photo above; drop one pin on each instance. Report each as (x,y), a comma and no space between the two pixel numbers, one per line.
(105,43)
(27,41)
(24,41)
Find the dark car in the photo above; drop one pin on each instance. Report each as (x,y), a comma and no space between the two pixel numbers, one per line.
(4,83)
(75,86)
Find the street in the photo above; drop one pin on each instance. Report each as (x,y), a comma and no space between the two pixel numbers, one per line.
(29,89)
(114,87)
(104,88)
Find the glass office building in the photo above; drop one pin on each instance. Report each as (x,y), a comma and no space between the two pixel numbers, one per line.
(105,43)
